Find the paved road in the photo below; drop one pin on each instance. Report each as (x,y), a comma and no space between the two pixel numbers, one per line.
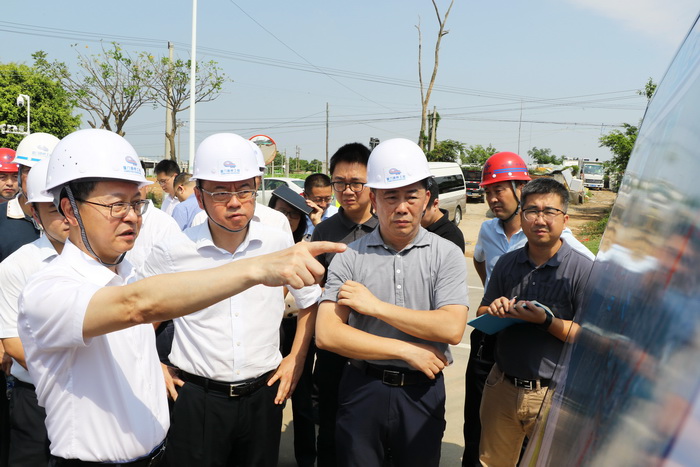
(453,442)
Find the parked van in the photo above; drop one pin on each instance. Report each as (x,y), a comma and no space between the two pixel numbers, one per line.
(453,194)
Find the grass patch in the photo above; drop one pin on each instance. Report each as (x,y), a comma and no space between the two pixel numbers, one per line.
(591,232)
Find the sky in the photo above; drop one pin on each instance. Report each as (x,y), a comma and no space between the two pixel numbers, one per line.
(553,74)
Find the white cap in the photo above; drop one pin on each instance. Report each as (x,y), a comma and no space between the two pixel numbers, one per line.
(93,154)
(225,157)
(259,155)
(34,148)
(36,183)
(396,163)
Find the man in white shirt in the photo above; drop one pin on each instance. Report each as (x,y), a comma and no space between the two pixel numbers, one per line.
(166,171)
(84,318)
(319,195)
(29,444)
(236,381)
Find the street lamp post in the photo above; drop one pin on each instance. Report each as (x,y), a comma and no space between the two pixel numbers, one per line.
(23,99)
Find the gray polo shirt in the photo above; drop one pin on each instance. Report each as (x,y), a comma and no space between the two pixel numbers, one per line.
(525,350)
(428,274)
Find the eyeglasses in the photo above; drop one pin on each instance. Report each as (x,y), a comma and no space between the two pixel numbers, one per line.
(321,199)
(290,214)
(355,187)
(548,213)
(164,181)
(121,210)
(225,196)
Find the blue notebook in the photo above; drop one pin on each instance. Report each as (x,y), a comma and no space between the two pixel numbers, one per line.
(490,324)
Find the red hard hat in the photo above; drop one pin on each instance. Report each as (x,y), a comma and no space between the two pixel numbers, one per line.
(504,167)
(6,165)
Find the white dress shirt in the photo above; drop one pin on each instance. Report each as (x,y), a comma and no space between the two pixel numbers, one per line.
(263,214)
(168,204)
(238,338)
(14,273)
(104,397)
(155,226)
(493,243)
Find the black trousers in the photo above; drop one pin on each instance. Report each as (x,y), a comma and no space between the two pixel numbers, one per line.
(210,429)
(374,418)
(481,360)
(327,373)
(4,421)
(29,443)
(302,404)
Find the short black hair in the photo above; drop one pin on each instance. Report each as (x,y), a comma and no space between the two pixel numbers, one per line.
(317,180)
(167,166)
(81,189)
(298,234)
(183,178)
(544,186)
(433,189)
(351,153)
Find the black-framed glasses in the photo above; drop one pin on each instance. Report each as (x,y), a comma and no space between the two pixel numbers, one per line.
(549,214)
(225,196)
(290,214)
(322,199)
(121,210)
(163,182)
(355,187)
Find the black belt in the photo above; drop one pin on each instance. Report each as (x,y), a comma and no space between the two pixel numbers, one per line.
(153,459)
(239,389)
(21,384)
(528,383)
(392,376)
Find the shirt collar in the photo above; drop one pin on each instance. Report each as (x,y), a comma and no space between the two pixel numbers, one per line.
(349,224)
(45,248)
(374,238)
(554,261)
(91,269)
(14,210)
(202,236)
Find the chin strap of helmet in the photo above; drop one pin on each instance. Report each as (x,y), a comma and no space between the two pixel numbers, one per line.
(40,226)
(517,208)
(83,234)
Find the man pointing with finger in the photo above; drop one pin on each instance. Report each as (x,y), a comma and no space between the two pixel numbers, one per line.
(392,304)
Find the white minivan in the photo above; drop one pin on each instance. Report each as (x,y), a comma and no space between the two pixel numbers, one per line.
(453,193)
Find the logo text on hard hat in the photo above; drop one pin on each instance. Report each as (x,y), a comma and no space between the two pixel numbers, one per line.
(132,166)
(230,169)
(394,175)
(229,164)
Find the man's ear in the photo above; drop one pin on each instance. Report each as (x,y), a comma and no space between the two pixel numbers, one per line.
(67,211)
(198,194)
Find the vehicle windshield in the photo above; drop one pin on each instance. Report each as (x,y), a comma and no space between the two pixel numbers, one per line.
(299,183)
(593,169)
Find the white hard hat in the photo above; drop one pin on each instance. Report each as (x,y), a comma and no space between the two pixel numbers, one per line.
(93,154)
(34,148)
(225,157)
(395,163)
(36,183)
(259,155)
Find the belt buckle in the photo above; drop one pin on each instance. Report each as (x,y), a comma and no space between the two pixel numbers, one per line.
(232,390)
(524,383)
(393,378)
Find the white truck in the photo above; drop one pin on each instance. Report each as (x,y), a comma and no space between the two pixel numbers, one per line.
(591,173)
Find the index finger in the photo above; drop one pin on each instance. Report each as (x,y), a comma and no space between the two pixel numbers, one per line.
(317,248)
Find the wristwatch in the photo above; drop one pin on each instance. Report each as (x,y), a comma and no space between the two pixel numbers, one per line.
(547,322)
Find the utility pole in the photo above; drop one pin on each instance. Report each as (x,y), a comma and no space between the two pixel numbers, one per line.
(431,146)
(169,110)
(286,164)
(298,151)
(325,169)
(193,88)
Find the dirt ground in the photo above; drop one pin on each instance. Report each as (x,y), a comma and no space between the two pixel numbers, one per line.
(593,209)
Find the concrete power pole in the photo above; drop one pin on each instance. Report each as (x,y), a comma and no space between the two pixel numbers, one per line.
(325,168)
(169,110)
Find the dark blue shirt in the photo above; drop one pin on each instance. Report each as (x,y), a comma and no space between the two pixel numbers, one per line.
(14,232)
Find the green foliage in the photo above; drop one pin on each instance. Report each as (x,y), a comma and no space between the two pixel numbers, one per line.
(446,151)
(649,90)
(544,156)
(620,144)
(477,155)
(51,108)
(592,232)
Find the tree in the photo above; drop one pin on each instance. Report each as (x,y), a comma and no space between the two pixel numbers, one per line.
(51,109)
(170,87)
(478,155)
(446,151)
(620,144)
(544,156)
(425,95)
(110,86)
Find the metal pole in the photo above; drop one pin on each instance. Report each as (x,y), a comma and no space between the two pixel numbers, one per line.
(326,168)
(168,111)
(193,71)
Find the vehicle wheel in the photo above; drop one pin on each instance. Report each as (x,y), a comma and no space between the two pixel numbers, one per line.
(458,215)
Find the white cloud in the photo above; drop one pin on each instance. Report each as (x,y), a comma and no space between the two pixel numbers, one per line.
(668,21)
